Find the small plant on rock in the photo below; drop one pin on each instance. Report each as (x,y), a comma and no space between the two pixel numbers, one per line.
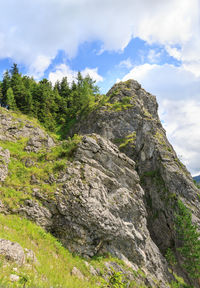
(115,281)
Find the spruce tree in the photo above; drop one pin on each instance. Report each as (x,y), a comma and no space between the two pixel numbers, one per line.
(1,94)
(189,241)
(14,69)
(52,106)
(5,85)
(10,99)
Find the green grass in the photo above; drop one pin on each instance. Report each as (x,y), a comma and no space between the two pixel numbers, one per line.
(55,262)
(17,187)
(16,115)
(179,282)
(129,139)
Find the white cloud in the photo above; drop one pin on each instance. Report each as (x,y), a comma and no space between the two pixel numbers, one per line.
(93,73)
(193,66)
(126,63)
(40,64)
(153,56)
(139,72)
(34,28)
(174,52)
(64,71)
(182,124)
(178,95)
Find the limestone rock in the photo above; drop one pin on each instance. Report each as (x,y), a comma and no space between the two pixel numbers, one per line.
(93,271)
(30,256)
(138,133)
(14,277)
(154,156)
(38,141)
(29,163)
(4,160)
(100,208)
(3,209)
(32,210)
(77,273)
(13,128)
(12,251)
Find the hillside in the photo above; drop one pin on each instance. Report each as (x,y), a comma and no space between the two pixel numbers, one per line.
(197,178)
(112,206)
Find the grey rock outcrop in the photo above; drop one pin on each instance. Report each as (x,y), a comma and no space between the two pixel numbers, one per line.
(13,128)
(138,132)
(34,211)
(12,251)
(100,208)
(77,273)
(4,160)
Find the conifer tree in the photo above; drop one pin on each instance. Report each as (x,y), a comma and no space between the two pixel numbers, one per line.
(1,94)
(52,106)
(14,69)
(10,99)
(5,86)
(189,239)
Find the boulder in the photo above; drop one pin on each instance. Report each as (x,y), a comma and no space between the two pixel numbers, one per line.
(12,251)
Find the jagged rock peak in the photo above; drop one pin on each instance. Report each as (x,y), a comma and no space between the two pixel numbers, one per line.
(124,88)
(130,120)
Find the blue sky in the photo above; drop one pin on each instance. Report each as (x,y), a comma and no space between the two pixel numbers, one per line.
(154,42)
(112,65)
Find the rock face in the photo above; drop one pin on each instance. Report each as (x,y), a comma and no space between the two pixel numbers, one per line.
(97,207)
(101,202)
(13,128)
(138,132)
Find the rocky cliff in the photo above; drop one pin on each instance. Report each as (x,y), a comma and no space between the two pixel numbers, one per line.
(113,190)
(129,119)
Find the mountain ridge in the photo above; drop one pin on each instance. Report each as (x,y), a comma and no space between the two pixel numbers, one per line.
(197,178)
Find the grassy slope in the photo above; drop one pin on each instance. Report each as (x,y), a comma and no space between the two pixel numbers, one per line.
(55,262)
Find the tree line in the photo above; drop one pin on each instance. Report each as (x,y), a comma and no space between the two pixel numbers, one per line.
(54,106)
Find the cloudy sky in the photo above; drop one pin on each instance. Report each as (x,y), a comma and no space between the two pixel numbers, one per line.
(153,41)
